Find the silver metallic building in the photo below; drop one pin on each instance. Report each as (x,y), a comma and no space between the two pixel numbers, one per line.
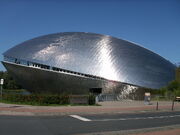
(76,62)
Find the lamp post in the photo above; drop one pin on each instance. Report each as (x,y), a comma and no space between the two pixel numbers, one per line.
(1,83)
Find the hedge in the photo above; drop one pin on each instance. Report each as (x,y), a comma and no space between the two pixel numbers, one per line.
(44,99)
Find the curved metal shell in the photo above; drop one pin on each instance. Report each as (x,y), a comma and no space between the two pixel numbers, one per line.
(98,55)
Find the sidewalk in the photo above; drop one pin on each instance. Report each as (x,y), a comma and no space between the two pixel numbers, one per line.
(106,107)
(164,132)
(167,130)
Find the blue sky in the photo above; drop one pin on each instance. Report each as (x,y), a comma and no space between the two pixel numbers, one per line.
(153,24)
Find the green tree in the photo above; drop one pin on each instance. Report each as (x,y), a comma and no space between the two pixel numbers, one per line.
(174,85)
(9,82)
(173,88)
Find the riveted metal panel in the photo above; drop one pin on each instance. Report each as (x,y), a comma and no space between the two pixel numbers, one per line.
(98,55)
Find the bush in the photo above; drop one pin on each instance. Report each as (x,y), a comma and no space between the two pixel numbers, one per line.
(92,99)
(169,92)
(38,99)
(177,93)
(169,95)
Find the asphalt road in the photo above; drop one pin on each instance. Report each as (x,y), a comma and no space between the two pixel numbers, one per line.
(77,124)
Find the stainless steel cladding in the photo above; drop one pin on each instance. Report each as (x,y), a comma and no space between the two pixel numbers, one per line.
(98,55)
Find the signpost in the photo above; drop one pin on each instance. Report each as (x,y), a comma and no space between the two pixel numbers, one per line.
(147,98)
(1,83)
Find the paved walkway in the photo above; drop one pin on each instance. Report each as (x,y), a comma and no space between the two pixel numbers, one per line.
(162,132)
(106,107)
(168,130)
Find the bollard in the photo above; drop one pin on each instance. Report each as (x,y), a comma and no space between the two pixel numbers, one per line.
(172,105)
(157,106)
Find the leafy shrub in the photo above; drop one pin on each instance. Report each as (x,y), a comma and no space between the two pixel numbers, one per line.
(177,93)
(46,99)
(38,99)
(92,99)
